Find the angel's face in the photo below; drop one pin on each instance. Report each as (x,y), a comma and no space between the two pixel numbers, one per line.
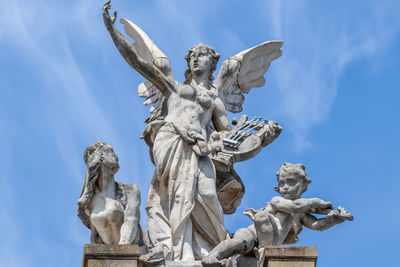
(200,61)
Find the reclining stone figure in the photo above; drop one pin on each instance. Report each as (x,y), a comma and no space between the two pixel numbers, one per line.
(281,220)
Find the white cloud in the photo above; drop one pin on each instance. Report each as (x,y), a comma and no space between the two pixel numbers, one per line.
(315,54)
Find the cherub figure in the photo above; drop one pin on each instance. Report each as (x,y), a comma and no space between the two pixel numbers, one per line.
(281,220)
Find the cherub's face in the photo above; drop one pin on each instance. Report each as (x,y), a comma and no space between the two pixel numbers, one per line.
(290,186)
(200,61)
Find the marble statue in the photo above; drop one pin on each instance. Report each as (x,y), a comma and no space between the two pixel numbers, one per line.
(108,208)
(281,220)
(191,141)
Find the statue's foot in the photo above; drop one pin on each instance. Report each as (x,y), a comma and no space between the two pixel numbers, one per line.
(211,261)
(156,255)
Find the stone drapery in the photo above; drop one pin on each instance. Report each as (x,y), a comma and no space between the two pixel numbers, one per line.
(184,214)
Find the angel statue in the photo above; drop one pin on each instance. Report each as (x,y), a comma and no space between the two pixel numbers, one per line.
(188,133)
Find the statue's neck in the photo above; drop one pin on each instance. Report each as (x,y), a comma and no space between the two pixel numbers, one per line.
(201,80)
(106,182)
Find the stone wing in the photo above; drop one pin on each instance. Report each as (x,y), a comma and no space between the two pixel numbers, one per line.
(155,98)
(245,70)
(150,53)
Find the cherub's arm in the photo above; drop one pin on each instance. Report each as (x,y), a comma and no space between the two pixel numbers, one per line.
(219,117)
(301,205)
(146,69)
(130,226)
(334,217)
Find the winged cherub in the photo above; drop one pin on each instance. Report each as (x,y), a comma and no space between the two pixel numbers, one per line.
(185,217)
(281,220)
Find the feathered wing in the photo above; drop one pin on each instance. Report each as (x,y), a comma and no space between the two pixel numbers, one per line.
(155,98)
(245,70)
(150,53)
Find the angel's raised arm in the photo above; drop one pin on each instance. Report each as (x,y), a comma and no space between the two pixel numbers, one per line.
(140,57)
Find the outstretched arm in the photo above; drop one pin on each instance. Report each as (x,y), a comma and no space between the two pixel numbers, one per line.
(146,69)
(302,205)
(334,217)
(130,227)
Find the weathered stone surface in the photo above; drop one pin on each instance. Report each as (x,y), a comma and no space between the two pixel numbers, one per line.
(100,255)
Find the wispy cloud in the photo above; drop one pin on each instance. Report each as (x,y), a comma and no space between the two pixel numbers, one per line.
(38,29)
(11,235)
(315,54)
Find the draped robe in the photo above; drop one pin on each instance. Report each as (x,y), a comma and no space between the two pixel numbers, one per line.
(184,214)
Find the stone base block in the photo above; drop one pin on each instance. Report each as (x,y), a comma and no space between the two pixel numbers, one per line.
(279,256)
(183,264)
(290,256)
(98,255)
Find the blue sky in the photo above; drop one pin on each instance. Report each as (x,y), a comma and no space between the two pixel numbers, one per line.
(335,92)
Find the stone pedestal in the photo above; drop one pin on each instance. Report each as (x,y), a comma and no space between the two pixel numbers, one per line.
(174,264)
(96,255)
(289,256)
(280,256)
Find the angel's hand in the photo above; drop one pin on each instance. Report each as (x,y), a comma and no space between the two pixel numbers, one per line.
(106,16)
(270,132)
(216,140)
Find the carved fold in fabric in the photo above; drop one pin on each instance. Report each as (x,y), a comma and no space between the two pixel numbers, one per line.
(230,188)
(184,213)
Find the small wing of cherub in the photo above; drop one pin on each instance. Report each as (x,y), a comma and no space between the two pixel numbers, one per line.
(245,70)
(251,213)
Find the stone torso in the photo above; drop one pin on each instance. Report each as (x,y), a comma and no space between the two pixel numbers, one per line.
(191,108)
(288,226)
(107,216)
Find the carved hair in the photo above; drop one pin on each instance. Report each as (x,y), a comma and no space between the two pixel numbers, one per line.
(91,157)
(297,170)
(210,51)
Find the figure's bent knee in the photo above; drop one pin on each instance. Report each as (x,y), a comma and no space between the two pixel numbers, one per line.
(247,237)
(263,217)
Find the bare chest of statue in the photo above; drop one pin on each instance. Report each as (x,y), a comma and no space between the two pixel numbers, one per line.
(191,107)
(107,216)
(198,94)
